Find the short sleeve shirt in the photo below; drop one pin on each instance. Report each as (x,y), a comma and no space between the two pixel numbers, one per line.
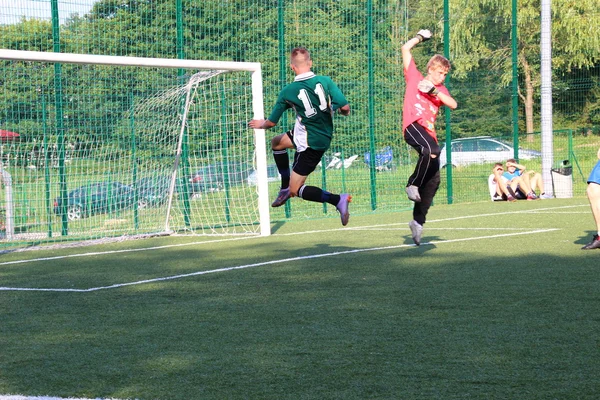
(595,174)
(510,176)
(314,99)
(420,107)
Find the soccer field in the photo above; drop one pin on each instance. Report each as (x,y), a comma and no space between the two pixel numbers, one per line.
(498,302)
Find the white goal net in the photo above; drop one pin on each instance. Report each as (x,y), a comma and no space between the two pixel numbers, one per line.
(124,146)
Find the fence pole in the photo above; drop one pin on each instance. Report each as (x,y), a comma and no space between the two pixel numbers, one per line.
(371,97)
(60,129)
(282,68)
(515,83)
(47,162)
(450,194)
(185,161)
(136,189)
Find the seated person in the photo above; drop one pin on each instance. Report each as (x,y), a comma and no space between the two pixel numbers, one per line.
(521,181)
(537,184)
(499,191)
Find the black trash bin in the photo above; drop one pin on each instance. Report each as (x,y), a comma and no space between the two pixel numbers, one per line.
(562,180)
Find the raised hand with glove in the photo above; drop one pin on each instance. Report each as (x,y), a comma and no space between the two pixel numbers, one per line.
(423,35)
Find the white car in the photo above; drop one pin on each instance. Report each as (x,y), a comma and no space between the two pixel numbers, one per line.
(483,149)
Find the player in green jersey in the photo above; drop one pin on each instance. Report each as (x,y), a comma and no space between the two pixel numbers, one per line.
(315,99)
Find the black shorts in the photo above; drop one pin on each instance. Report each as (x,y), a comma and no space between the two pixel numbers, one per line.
(305,161)
(519,194)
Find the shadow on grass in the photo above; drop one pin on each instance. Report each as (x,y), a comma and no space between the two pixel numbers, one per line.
(583,240)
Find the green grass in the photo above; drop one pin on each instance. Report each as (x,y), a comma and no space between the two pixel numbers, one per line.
(472,315)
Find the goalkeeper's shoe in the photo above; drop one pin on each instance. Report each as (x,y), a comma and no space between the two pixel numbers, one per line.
(416,230)
(342,207)
(594,244)
(282,197)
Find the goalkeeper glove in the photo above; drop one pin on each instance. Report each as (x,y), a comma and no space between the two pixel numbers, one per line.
(424,34)
(427,87)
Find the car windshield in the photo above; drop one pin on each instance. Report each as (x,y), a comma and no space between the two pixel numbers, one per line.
(491,145)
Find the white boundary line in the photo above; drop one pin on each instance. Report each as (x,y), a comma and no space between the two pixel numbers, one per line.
(280,261)
(284,234)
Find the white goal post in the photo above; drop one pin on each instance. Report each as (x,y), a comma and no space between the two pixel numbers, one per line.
(257,108)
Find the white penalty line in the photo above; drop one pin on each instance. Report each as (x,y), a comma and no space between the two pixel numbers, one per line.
(273,262)
(433,228)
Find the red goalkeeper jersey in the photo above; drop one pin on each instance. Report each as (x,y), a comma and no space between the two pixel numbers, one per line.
(420,107)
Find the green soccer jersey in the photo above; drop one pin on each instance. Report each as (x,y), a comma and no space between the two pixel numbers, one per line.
(314,98)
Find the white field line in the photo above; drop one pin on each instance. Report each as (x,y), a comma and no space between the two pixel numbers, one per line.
(283,234)
(97,253)
(272,262)
(560,212)
(507,213)
(433,228)
(19,397)
(498,214)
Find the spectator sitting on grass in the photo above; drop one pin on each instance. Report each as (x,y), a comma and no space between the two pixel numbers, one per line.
(499,191)
(522,182)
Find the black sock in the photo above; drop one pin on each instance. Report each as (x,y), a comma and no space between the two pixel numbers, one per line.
(282,160)
(318,195)
(330,198)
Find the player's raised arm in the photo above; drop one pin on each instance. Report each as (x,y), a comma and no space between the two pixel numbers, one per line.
(422,35)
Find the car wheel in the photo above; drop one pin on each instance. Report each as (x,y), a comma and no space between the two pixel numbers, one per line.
(74,212)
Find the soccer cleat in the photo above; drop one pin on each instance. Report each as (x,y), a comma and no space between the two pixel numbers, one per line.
(342,207)
(594,244)
(282,197)
(544,196)
(417,230)
(413,193)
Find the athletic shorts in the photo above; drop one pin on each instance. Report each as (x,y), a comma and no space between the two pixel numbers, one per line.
(595,175)
(305,161)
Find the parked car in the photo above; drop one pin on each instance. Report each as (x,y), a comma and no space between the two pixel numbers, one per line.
(482,149)
(152,190)
(272,175)
(212,178)
(96,198)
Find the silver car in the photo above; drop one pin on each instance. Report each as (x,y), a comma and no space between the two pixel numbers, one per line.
(483,149)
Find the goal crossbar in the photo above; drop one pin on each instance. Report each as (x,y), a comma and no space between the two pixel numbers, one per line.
(75,58)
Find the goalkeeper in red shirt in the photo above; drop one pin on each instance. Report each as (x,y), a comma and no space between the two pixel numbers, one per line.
(422,99)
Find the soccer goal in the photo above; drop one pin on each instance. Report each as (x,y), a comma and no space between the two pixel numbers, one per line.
(113,145)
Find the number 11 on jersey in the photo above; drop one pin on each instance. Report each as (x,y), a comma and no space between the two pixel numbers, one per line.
(308,107)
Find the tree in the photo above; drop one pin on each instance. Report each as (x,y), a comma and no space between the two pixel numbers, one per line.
(480,37)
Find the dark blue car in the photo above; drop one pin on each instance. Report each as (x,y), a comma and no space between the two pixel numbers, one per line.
(96,198)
